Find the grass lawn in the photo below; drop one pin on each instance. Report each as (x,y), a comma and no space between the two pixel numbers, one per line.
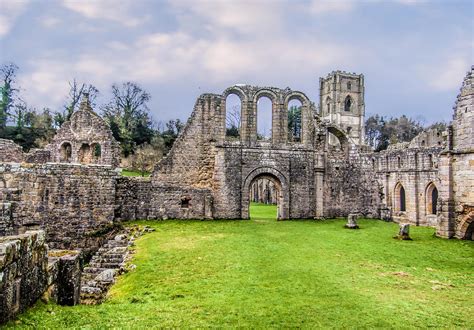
(134,173)
(263,273)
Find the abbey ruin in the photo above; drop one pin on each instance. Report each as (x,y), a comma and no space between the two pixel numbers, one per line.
(73,189)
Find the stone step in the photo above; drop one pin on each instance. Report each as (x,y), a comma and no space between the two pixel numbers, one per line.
(108,259)
(94,270)
(107,265)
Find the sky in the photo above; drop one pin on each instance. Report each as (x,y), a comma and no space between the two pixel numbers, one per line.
(413,54)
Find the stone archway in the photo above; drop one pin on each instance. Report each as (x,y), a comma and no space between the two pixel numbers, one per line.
(281,184)
(466,227)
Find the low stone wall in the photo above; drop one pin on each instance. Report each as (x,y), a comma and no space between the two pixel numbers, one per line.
(27,273)
(138,198)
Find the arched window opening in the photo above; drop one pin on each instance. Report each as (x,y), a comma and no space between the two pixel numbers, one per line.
(374,164)
(349,85)
(264,119)
(400,198)
(96,152)
(294,121)
(399,162)
(431,199)
(84,154)
(348,104)
(233,111)
(66,152)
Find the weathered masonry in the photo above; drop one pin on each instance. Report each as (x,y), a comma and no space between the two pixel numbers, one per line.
(73,190)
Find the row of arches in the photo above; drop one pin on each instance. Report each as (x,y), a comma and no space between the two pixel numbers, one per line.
(431,198)
(263,116)
(86,154)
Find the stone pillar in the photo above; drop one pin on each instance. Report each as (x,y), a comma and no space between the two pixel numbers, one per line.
(404,232)
(69,279)
(319,193)
(352,221)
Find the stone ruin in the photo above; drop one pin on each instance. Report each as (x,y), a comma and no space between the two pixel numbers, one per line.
(85,139)
(73,189)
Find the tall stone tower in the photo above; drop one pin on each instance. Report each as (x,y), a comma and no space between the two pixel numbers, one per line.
(341,101)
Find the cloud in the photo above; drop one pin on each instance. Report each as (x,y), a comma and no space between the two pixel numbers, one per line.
(111,10)
(328,6)
(241,16)
(49,21)
(9,12)
(449,76)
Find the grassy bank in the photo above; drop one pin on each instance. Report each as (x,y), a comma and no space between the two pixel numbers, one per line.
(264,273)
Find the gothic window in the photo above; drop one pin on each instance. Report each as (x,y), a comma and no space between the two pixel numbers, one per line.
(347,104)
(349,85)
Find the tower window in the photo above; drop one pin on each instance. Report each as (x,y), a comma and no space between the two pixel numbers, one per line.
(347,104)
(349,85)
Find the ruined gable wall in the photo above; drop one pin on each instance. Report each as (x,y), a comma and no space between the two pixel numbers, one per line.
(190,162)
(72,203)
(88,128)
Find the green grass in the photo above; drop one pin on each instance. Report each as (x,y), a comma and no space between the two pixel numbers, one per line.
(264,273)
(126,172)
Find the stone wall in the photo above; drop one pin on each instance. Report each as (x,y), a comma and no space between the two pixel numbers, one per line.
(138,198)
(73,203)
(27,272)
(85,139)
(10,152)
(416,171)
(23,272)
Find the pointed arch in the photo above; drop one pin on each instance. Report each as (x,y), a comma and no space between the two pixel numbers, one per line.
(431,198)
(400,198)
(348,102)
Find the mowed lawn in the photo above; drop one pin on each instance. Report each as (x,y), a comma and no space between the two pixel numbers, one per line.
(263,273)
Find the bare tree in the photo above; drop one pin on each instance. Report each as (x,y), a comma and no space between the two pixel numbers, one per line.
(7,90)
(233,122)
(76,90)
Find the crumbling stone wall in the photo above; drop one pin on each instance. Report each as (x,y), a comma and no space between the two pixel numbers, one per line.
(86,139)
(10,152)
(351,187)
(27,272)
(23,272)
(203,158)
(456,216)
(73,203)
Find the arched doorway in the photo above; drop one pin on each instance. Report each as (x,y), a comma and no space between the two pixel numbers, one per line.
(280,185)
(466,227)
(431,199)
(400,198)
